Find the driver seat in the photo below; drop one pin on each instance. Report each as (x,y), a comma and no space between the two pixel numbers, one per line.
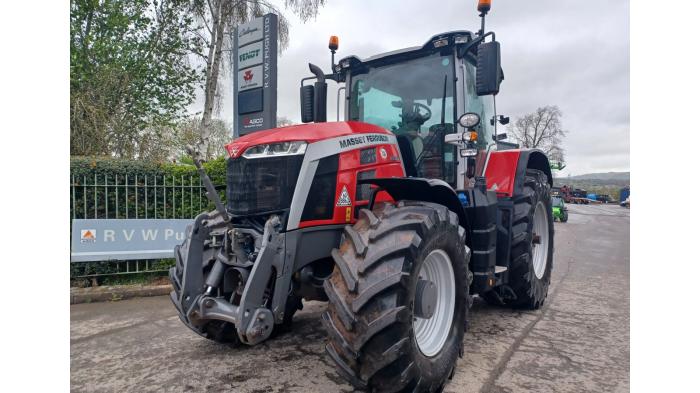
(408,155)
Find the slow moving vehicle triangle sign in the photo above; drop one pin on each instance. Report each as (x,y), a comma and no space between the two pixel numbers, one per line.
(344,198)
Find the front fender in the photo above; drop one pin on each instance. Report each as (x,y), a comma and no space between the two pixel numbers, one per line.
(419,189)
(505,169)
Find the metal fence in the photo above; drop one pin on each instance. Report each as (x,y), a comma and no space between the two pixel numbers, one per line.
(128,196)
(137,196)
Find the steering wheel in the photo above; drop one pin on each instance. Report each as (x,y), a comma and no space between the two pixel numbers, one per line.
(422,117)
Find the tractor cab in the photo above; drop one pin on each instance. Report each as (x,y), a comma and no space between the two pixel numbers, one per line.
(420,94)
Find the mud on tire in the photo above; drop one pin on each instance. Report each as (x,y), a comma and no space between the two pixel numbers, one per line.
(369,320)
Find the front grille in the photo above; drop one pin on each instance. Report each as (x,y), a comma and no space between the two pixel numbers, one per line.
(261,184)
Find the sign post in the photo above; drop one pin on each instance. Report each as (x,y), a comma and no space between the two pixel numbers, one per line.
(255,70)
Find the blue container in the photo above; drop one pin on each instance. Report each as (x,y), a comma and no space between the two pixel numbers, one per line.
(592,196)
(624,194)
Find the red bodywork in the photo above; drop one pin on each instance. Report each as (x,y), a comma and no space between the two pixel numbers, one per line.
(387,162)
(309,133)
(349,167)
(500,171)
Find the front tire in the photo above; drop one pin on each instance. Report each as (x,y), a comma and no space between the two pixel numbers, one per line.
(374,334)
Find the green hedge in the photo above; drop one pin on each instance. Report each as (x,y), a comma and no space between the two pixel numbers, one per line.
(173,196)
(89,166)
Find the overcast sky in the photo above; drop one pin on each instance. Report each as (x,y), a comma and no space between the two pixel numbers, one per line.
(570,53)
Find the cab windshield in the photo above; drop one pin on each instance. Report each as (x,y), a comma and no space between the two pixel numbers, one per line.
(415,100)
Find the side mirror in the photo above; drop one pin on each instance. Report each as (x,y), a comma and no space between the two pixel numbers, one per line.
(313,98)
(488,69)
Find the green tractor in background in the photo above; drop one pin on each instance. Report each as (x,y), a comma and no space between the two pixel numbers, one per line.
(559,210)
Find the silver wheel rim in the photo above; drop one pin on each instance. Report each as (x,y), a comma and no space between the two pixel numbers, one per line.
(540,248)
(431,333)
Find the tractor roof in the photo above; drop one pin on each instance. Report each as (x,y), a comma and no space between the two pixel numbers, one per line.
(436,43)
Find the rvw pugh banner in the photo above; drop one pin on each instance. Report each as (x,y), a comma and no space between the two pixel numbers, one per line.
(112,239)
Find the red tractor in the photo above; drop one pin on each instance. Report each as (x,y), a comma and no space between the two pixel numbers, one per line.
(397,216)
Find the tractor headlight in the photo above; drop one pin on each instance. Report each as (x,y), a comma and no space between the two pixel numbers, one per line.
(469,120)
(276,149)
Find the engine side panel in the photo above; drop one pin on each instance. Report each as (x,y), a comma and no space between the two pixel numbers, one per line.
(375,161)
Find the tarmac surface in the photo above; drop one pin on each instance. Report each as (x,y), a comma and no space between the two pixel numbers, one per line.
(578,341)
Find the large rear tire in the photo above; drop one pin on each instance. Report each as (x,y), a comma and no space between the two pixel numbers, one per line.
(374,334)
(532,247)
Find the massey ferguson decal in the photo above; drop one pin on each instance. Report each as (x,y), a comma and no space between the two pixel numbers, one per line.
(250,78)
(362,140)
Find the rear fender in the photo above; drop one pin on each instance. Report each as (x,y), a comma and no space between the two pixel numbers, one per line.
(426,190)
(505,170)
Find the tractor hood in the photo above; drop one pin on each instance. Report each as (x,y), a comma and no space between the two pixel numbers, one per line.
(308,133)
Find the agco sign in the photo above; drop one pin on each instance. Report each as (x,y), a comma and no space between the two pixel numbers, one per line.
(248,122)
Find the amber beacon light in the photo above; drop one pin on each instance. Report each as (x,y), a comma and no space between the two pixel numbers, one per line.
(484,5)
(333,43)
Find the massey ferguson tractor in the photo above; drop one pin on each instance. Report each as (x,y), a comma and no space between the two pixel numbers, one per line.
(397,217)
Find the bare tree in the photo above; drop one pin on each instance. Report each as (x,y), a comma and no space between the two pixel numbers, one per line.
(542,130)
(283,121)
(217,19)
(187,133)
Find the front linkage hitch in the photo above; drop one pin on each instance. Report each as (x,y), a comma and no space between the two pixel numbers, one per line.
(210,243)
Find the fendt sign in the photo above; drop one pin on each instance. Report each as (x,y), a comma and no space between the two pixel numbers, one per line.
(255,82)
(250,55)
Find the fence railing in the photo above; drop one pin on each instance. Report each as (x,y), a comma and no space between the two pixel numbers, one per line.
(129,196)
(137,196)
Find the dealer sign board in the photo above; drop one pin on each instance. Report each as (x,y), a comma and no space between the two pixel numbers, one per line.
(255,69)
(112,239)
